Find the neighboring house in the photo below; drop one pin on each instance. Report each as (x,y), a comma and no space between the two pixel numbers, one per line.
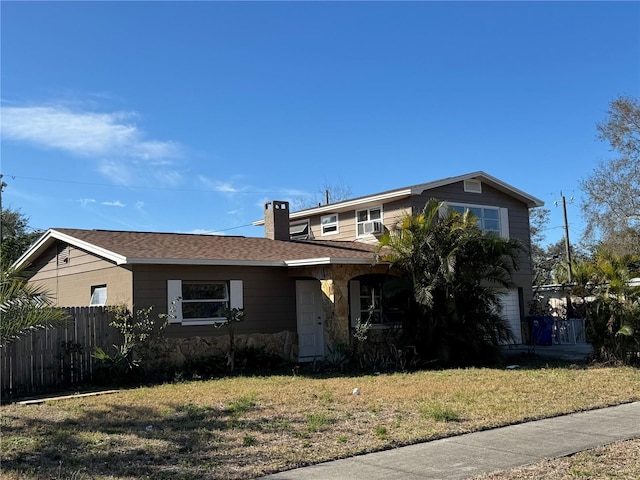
(305,284)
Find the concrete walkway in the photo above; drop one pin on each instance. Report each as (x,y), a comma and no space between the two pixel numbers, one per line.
(468,455)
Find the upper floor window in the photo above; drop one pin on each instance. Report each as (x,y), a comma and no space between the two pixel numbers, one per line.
(490,219)
(299,230)
(329,224)
(369,221)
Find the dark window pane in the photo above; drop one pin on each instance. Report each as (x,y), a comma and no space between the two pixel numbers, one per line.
(204,291)
(491,213)
(202,309)
(492,225)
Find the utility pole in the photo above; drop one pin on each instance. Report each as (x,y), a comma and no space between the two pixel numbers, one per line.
(2,185)
(567,245)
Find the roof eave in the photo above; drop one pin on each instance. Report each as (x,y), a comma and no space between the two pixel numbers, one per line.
(330,261)
(206,262)
(50,236)
(524,197)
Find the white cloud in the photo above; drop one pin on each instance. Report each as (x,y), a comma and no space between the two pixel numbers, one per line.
(94,135)
(115,203)
(87,201)
(219,186)
(83,133)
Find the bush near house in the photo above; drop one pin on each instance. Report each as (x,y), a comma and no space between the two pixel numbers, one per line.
(457,274)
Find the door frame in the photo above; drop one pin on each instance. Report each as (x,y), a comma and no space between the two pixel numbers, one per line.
(313,287)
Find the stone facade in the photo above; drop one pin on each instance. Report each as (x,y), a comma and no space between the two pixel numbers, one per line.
(181,350)
(334,283)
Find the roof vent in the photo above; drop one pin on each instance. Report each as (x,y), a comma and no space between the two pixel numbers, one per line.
(473,186)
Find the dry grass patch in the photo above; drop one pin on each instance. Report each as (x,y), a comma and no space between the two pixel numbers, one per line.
(620,461)
(244,427)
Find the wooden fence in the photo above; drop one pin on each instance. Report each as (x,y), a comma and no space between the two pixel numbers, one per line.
(56,358)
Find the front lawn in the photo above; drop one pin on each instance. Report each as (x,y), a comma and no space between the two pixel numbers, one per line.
(244,427)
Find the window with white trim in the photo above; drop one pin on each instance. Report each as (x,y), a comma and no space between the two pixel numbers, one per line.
(98,296)
(202,302)
(490,219)
(329,224)
(369,221)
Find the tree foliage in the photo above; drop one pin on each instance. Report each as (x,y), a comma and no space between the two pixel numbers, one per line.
(17,236)
(24,307)
(458,275)
(612,305)
(328,193)
(612,204)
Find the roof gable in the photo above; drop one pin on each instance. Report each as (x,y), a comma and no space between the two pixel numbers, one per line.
(399,193)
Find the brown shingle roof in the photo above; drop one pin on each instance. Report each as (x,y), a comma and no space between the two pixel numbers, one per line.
(147,247)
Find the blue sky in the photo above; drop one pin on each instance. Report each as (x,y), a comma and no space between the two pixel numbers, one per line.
(187,117)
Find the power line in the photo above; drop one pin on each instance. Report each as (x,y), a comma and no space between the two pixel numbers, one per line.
(139,187)
(122,186)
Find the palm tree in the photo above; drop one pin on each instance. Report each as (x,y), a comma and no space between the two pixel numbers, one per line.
(458,274)
(23,306)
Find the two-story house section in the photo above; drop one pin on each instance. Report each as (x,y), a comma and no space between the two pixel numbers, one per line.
(499,207)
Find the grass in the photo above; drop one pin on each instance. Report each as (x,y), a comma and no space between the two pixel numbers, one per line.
(620,460)
(244,427)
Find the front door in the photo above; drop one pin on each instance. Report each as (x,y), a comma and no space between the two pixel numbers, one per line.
(309,313)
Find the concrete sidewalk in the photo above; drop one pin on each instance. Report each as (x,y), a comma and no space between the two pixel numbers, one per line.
(468,455)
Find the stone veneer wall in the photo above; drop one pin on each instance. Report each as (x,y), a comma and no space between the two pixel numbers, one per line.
(181,350)
(334,283)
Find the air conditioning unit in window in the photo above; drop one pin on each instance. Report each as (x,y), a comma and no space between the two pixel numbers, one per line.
(372,227)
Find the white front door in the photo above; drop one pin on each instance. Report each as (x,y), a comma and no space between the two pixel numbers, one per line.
(309,313)
(511,312)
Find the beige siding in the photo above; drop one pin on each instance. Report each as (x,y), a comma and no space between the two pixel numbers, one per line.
(70,283)
(391,213)
(269,296)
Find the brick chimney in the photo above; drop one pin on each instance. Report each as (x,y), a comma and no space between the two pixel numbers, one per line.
(276,220)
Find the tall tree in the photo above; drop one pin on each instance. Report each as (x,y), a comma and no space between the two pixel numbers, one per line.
(16,236)
(612,204)
(458,275)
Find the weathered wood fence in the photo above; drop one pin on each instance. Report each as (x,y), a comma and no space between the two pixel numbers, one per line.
(56,358)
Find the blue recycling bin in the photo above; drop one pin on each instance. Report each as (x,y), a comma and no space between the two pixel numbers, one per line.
(541,328)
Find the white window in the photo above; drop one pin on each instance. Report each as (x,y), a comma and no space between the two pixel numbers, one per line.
(329,224)
(299,230)
(490,219)
(98,296)
(202,302)
(369,221)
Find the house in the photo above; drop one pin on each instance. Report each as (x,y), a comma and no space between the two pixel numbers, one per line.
(302,287)
(500,208)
